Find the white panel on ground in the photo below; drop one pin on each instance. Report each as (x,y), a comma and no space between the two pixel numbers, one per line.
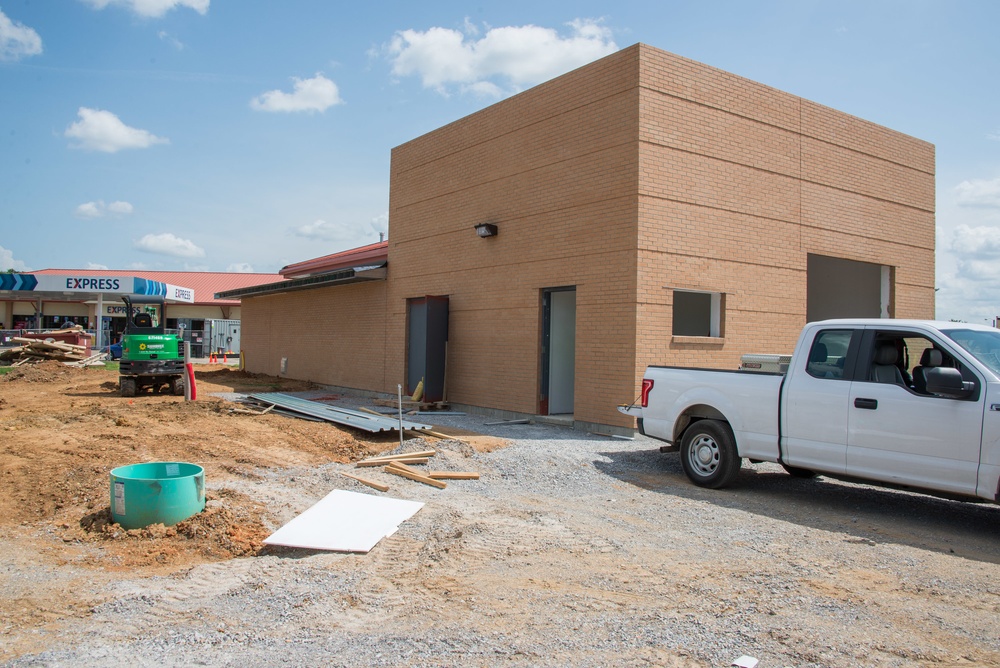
(345,521)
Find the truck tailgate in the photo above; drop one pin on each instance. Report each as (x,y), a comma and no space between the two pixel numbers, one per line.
(747,400)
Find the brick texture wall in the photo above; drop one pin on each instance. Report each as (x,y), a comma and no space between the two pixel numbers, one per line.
(332,335)
(739,182)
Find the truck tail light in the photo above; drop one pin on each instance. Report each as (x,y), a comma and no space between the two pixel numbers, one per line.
(647,385)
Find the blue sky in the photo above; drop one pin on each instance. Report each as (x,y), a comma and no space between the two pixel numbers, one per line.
(225,135)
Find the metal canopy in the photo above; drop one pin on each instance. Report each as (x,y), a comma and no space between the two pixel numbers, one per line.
(340,277)
(345,416)
(67,287)
(41,288)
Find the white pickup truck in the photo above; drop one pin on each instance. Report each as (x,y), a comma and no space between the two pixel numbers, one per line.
(907,403)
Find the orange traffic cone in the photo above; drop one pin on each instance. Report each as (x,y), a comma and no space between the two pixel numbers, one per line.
(211,358)
(225,358)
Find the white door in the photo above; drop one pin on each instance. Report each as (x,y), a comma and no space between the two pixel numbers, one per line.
(900,436)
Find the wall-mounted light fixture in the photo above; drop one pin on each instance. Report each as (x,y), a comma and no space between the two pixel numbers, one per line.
(486,230)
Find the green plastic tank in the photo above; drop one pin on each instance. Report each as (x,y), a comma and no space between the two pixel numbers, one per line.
(156,493)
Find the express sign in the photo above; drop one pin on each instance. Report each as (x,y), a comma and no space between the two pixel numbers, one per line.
(98,284)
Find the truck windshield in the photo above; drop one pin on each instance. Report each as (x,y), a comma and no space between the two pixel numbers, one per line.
(984,346)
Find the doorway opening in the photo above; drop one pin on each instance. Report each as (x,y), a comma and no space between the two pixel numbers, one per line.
(838,288)
(558,351)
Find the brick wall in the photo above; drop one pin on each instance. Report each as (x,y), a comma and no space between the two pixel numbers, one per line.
(740,182)
(332,335)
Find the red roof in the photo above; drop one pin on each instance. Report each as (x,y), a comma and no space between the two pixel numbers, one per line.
(375,253)
(204,283)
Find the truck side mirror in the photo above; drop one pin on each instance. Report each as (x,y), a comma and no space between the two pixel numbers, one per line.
(947,382)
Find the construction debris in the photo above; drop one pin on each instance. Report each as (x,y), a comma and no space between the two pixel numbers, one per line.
(39,350)
(364,481)
(405,471)
(399,464)
(453,475)
(344,416)
(409,405)
(403,460)
(385,459)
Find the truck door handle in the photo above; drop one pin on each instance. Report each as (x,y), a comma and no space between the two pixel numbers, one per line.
(870,404)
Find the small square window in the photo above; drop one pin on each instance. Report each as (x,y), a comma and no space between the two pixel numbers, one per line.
(697,313)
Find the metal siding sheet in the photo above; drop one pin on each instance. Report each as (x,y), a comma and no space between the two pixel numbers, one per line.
(345,416)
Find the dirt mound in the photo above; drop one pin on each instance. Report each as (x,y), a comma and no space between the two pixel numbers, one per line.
(43,372)
(230,526)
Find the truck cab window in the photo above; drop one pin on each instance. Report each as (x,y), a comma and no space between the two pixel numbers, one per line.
(912,355)
(828,354)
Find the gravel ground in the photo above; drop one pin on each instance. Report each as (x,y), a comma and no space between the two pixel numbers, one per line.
(575,550)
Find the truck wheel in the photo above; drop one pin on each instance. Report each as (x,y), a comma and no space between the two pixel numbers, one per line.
(797,472)
(127,386)
(177,386)
(708,454)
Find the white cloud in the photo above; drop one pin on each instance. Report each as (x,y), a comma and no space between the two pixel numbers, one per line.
(316,94)
(168,244)
(17,40)
(94,265)
(99,209)
(7,261)
(240,268)
(320,229)
(171,40)
(120,208)
(99,130)
(980,241)
(979,192)
(521,56)
(151,8)
(980,270)
(89,210)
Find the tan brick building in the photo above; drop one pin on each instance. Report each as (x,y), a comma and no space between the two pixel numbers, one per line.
(647,208)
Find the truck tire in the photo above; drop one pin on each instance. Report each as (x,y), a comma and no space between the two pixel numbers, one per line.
(708,454)
(127,386)
(177,386)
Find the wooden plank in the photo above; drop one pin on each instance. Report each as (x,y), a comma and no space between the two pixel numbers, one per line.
(383,462)
(404,466)
(453,475)
(364,481)
(402,455)
(414,476)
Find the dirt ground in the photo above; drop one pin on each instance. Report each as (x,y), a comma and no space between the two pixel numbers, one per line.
(571,550)
(63,429)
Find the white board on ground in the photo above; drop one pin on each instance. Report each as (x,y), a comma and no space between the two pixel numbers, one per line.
(345,521)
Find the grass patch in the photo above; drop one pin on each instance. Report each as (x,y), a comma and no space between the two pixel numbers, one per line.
(5,369)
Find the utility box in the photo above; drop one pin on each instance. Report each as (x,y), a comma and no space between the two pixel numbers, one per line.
(765,363)
(222,336)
